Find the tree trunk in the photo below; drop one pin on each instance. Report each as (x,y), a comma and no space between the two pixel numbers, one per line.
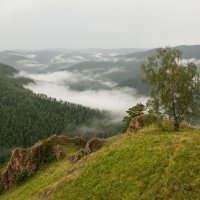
(176,126)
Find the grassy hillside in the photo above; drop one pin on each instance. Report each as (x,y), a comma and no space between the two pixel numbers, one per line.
(149,164)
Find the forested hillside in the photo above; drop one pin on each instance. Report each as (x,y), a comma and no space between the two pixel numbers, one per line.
(26,117)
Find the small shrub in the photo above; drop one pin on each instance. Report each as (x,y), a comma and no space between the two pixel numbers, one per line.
(21,177)
(46,152)
(149,119)
(1,189)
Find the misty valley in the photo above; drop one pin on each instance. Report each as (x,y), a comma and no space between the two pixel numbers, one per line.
(99,100)
(56,101)
(109,80)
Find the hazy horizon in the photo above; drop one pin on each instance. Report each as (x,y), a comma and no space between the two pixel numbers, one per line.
(72,49)
(92,48)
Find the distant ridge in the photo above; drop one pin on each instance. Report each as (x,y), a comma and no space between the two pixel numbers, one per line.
(189,51)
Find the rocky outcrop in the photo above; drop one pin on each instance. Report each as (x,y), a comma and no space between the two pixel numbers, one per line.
(94,145)
(91,146)
(58,152)
(77,156)
(28,160)
(62,140)
(141,121)
(135,124)
(25,161)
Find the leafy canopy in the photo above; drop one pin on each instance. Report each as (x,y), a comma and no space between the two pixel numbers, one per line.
(175,86)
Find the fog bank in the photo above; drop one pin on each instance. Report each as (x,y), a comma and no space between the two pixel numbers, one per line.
(114,100)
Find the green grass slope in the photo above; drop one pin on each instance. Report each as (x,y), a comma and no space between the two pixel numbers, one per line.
(149,164)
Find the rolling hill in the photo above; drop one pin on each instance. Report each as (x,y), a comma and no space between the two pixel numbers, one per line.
(119,67)
(38,61)
(149,164)
(189,51)
(190,54)
(152,163)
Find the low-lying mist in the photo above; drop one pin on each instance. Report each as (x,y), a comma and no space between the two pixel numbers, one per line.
(114,100)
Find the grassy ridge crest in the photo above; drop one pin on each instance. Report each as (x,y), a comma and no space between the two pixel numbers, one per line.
(149,164)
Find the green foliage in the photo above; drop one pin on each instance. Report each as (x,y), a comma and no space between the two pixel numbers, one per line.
(6,70)
(1,190)
(149,119)
(46,152)
(126,121)
(23,80)
(136,110)
(22,177)
(4,154)
(132,112)
(175,87)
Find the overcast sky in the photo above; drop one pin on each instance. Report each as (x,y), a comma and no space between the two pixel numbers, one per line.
(98,23)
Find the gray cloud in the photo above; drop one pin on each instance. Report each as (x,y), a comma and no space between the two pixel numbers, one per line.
(98,23)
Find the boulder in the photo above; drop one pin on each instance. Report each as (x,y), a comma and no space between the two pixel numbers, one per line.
(91,146)
(76,157)
(94,145)
(135,124)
